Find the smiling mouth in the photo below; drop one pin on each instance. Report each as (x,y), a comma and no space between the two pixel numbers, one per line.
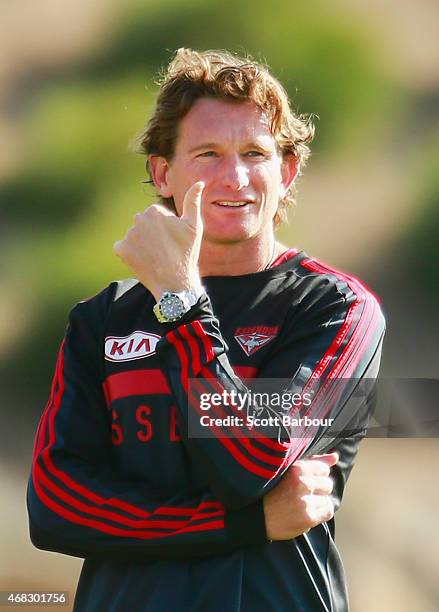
(228,204)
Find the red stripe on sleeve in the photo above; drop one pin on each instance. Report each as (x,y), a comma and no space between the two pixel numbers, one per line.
(110,529)
(152,522)
(227,442)
(208,347)
(193,347)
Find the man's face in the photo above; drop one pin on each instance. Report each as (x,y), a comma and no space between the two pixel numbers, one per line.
(230,147)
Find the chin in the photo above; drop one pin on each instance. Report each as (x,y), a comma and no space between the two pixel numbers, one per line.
(227,236)
(230,232)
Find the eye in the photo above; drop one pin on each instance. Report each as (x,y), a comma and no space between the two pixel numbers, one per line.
(254,153)
(207,154)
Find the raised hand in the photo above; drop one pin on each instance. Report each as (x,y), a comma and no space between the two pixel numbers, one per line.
(162,249)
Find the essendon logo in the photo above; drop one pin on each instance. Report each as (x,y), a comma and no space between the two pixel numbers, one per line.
(135,346)
(250,339)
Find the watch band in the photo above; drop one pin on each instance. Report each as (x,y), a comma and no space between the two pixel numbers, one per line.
(173,305)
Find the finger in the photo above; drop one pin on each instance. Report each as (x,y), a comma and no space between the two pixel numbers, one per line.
(320,508)
(323,485)
(319,485)
(327,509)
(192,205)
(154,209)
(125,247)
(122,250)
(328,458)
(314,467)
(160,208)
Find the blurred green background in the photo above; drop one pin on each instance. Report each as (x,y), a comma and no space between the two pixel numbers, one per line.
(77,83)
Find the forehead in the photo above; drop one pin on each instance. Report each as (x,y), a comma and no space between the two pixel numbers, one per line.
(219,121)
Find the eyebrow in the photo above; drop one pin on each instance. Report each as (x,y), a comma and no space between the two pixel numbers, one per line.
(213,145)
(205,145)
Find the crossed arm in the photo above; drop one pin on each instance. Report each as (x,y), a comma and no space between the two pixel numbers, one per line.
(79,506)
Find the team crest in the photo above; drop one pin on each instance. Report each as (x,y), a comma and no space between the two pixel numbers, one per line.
(250,339)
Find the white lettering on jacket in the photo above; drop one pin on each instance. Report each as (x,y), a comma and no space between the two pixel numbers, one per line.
(137,345)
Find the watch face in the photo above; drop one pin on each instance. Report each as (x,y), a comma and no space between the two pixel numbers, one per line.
(172,307)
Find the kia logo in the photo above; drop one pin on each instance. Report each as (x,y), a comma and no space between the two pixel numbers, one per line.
(135,346)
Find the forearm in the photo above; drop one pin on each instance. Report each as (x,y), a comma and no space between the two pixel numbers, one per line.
(104,515)
(244,464)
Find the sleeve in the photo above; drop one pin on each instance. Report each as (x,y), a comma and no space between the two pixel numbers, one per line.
(80,505)
(347,447)
(324,351)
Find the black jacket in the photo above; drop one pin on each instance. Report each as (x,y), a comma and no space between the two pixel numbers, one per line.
(168,514)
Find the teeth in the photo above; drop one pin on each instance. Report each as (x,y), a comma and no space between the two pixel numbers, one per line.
(234,204)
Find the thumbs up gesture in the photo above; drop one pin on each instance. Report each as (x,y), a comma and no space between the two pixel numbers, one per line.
(192,208)
(162,249)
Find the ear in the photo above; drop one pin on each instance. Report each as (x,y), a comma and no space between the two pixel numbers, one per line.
(159,167)
(289,172)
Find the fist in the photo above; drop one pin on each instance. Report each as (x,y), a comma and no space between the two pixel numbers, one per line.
(302,499)
(161,249)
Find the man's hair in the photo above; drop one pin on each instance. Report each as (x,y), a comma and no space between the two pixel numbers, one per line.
(219,74)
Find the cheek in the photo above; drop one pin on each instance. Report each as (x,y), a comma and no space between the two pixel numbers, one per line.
(203,171)
(191,173)
(267,179)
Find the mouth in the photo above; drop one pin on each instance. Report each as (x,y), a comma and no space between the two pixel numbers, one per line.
(231,204)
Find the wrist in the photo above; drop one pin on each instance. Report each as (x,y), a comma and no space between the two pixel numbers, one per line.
(173,305)
(194,286)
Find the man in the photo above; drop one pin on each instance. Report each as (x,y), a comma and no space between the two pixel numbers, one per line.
(237,519)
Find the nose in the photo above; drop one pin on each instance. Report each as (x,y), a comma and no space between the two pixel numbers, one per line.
(234,173)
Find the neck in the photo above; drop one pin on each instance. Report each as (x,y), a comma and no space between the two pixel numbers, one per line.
(239,258)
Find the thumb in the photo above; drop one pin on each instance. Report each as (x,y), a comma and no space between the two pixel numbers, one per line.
(192,205)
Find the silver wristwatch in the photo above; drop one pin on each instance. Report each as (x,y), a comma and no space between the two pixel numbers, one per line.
(172,306)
